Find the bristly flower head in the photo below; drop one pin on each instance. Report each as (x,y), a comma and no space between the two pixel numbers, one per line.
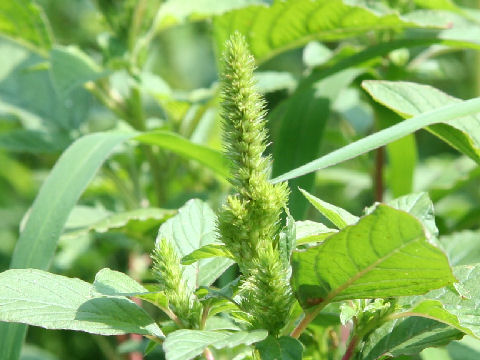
(169,273)
(249,222)
(253,215)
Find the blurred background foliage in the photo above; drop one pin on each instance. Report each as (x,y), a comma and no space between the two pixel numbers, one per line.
(82,66)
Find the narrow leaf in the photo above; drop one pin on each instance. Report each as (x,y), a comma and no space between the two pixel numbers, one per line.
(58,195)
(383,137)
(385,254)
(212,159)
(73,171)
(411,99)
(205,252)
(305,114)
(338,216)
(39,298)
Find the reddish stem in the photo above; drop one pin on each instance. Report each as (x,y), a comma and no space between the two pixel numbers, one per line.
(208,354)
(351,348)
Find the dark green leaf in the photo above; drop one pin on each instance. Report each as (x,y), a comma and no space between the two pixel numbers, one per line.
(305,114)
(283,348)
(407,337)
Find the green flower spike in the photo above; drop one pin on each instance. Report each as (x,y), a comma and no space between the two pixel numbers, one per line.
(169,273)
(249,222)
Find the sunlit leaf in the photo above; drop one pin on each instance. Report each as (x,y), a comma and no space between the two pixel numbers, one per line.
(385,254)
(39,298)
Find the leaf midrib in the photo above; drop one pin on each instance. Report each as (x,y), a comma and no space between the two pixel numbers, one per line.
(331,296)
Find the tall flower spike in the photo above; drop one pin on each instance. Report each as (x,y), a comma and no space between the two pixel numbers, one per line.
(249,221)
(251,216)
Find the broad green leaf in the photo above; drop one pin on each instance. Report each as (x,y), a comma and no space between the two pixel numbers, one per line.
(212,159)
(187,344)
(459,306)
(411,99)
(383,137)
(462,248)
(116,283)
(283,348)
(407,337)
(205,252)
(192,228)
(305,114)
(310,231)
(420,206)
(385,254)
(293,23)
(24,21)
(39,298)
(71,67)
(32,141)
(338,216)
(173,12)
(58,195)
